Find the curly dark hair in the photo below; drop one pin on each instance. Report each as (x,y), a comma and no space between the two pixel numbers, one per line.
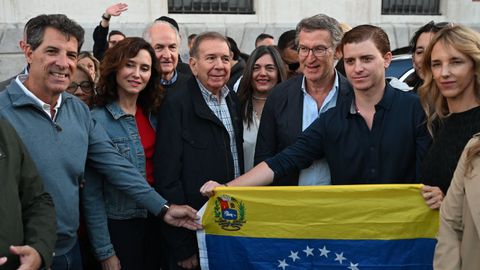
(117,57)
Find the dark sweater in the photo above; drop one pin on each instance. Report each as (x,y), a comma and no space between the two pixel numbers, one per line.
(449,138)
(27,213)
(100,43)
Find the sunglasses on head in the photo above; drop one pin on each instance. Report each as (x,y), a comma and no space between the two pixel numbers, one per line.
(441,25)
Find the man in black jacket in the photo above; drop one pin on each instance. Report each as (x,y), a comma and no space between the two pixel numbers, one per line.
(100,41)
(199,137)
(294,104)
(28,226)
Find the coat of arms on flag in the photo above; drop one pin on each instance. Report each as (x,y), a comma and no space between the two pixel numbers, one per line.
(229,213)
(323,227)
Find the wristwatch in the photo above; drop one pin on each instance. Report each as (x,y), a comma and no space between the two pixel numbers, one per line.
(164,210)
(106,16)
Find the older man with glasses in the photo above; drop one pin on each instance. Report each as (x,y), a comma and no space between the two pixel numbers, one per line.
(294,104)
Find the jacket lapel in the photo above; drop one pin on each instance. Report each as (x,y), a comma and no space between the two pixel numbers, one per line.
(295,108)
(200,106)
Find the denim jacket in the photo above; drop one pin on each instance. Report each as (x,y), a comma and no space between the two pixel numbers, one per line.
(122,130)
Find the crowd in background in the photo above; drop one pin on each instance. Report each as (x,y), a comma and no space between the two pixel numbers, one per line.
(106,156)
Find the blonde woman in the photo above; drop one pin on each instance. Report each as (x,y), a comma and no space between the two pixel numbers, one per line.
(451,98)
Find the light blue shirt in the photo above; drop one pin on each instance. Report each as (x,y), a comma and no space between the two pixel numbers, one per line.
(164,82)
(319,172)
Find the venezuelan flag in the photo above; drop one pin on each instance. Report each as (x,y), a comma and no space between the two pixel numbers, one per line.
(323,227)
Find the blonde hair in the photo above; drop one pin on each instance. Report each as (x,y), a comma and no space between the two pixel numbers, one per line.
(466,41)
(345,27)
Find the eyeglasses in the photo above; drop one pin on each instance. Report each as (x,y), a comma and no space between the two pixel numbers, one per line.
(319,51)
(86,87)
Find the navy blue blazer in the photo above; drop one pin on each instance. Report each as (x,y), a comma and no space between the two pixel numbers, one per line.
(281,121)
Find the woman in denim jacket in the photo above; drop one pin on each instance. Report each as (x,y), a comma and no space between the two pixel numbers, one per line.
(129,94)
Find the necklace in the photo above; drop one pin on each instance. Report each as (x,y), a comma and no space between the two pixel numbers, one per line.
(256,113)
(259,98)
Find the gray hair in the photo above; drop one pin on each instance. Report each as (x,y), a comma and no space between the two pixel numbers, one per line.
(35,29)
(206,36)
(146,33)
(321,22)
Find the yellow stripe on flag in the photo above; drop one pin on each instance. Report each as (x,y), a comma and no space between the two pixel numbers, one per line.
(375,212)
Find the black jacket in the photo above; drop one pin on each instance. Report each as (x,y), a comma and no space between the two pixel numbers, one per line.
(180,83)
(100,42)
(183,68)
(236,73)
(281,121)
(192,147)
(27,211)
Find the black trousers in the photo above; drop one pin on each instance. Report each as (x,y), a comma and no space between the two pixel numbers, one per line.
(138,243)
(128,238)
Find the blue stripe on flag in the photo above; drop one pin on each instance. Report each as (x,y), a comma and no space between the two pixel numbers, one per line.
(227,252)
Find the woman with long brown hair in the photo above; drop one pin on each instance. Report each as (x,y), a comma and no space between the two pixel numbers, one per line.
(129,95)
(263,71)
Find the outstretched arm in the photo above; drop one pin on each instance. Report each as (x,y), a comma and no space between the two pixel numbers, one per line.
(260,175)
(113,10)
(100,43)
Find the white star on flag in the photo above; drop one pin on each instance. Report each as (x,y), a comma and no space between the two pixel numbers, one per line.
(282,264)
(324,251)
(308,251)
(353,266)
(340,258)
(294,256)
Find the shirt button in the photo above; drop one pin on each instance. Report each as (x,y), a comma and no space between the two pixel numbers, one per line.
(373,170)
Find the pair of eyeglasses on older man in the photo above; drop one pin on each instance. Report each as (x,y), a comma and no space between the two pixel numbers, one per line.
(86,87)
(319,51)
